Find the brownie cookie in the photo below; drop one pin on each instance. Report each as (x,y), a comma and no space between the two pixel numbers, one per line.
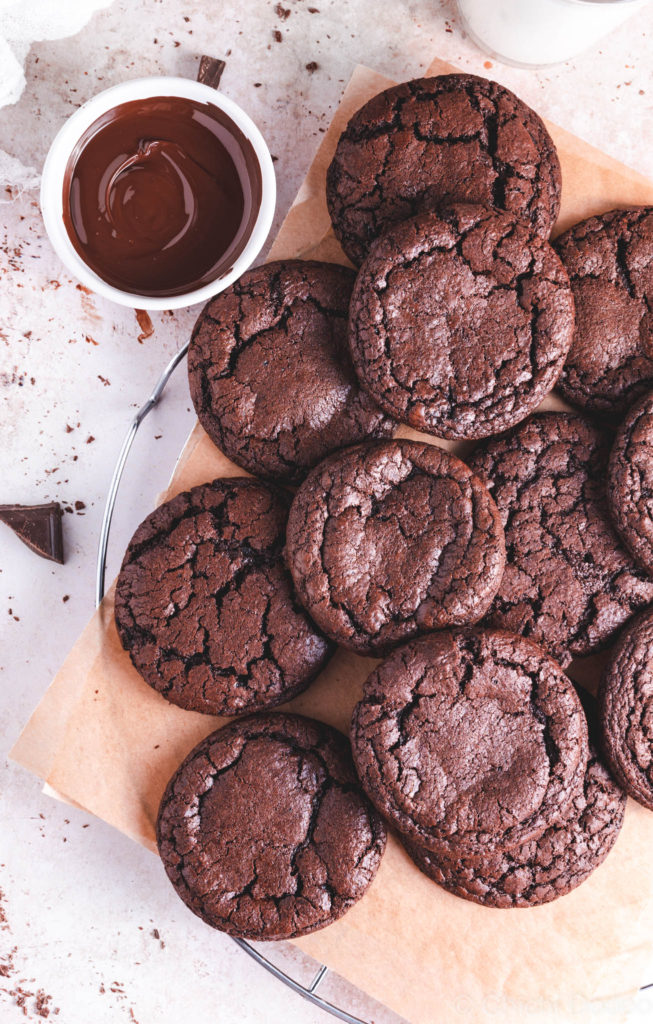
(609,260)
(460,321)
(568,583)
(545,868)
(390,539)
(630,482)
(470,742)
(270,372)
(451,138)
(204,603)
(263,830)
(626,710)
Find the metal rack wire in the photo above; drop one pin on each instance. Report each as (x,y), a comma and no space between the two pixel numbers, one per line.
(309,992)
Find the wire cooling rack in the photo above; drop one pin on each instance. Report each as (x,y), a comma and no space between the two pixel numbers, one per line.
(308,991)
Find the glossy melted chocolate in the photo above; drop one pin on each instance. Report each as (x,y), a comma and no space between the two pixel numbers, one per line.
(161,194)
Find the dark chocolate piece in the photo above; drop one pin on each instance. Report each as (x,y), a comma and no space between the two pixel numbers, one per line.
(210,71)
(38,526)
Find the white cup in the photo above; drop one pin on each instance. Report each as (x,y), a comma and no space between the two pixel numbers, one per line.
(536,33)
(62,151)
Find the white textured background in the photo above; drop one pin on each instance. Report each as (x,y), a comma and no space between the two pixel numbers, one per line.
(87,918)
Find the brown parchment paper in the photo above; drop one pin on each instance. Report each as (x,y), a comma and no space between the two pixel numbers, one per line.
(103,740)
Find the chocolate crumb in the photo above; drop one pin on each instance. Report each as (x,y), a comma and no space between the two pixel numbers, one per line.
(312,66)
(69,429)
(90,439)
(282,12)
(79,505)
(65,598)
(276,35)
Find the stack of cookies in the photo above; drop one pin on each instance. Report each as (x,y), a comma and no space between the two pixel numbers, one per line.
(476,582)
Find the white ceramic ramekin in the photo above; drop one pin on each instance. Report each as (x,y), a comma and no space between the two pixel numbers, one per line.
(61,150)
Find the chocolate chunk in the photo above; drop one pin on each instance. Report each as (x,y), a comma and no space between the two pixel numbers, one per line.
(38,526)
(210,71)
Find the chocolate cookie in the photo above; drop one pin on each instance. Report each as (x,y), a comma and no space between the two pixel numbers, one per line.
(263,830)
(630,482)
(568,583)
(390,539)
(270,372)
(470,743)
(204,604)
(545,868)
(609,260)
(460,321)
(626,710)
(451,138)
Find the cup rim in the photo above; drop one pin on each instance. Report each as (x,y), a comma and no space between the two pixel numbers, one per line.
(63,144)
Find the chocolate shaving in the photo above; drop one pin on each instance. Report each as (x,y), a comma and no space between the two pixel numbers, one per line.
(38,526)
(210,71)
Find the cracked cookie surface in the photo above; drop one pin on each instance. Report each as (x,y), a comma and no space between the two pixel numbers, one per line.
(543,869)
(626,710)
(451,138)
(609,260)
(470,742)
(460,321)
(270,371)
(204,603)
(390,539)
(264,831)
(569,583)
(630,482)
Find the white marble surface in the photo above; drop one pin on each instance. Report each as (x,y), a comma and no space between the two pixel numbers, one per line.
(86,916)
